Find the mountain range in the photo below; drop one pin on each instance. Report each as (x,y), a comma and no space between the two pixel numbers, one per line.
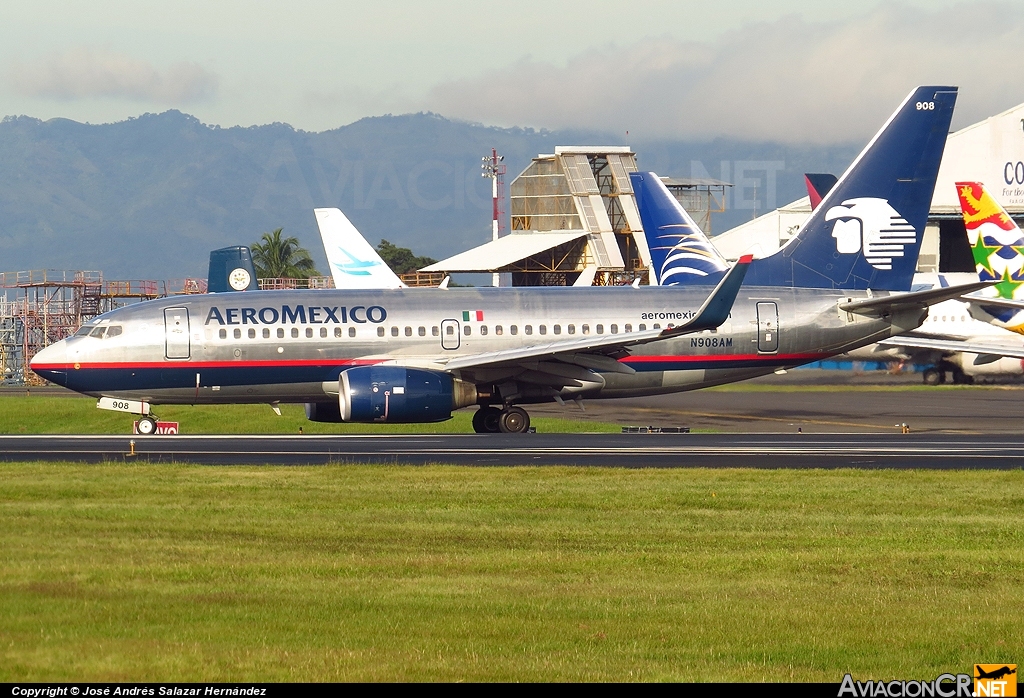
(150,196)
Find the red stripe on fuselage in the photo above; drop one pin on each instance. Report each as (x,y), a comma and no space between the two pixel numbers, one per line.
(210,364)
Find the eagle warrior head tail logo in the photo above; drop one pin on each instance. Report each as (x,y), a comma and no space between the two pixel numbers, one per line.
(998,248)
(871,225)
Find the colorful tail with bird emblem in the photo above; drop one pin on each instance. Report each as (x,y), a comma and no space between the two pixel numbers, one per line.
(998,247)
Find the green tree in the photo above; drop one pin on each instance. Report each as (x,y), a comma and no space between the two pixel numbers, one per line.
(282,258)
(401,259)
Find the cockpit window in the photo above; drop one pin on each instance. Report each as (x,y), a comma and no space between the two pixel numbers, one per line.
(99,332)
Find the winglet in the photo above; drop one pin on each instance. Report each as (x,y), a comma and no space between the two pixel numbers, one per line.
(719,304)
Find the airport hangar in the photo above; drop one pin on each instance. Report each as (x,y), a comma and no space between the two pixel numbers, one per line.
(574,217)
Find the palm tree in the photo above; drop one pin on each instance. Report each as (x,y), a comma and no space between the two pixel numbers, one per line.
(277,258)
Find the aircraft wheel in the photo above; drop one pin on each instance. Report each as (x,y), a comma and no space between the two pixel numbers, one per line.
(486,420)
(514,420)
(147,426)
(932,376)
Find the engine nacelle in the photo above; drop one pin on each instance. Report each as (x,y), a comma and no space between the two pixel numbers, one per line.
(396,394)
(973,365)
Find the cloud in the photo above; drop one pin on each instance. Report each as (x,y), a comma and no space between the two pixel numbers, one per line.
(86,73)
(788,80)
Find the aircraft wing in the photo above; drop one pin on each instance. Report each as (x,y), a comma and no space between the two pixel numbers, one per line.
(983,349)
(882,305)
(996,302)
(590,350)
(354,264)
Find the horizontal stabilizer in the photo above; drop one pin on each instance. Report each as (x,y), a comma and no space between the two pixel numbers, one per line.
(1008,303)
(953,346)
(883,305)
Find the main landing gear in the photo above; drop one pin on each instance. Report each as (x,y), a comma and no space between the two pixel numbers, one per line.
(936,375)
(491,420)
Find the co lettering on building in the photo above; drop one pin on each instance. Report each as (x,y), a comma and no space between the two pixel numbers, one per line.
(1013,172)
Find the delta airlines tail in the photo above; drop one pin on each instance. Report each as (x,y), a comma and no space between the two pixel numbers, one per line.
(867,231)
(354,263)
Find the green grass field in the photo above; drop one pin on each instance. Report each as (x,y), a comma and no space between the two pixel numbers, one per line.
(137,572)
(76,415)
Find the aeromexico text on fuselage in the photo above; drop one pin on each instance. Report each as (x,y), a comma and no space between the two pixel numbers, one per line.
(298,314)
(340,314)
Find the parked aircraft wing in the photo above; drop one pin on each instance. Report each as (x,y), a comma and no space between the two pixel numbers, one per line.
(354,264)
(1009,303)
(712,313)
(955,345)
(882,305)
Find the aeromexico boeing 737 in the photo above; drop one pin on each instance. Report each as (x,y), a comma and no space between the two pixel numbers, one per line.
(415,355)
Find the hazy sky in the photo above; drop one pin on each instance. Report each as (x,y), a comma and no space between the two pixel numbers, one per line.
(793,70)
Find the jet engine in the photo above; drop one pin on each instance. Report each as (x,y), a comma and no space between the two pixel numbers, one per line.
(988,365)
(394,394)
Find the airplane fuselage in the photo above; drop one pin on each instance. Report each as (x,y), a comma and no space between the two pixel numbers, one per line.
(291,346)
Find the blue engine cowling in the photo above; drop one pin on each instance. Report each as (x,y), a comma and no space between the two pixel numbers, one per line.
(396,394)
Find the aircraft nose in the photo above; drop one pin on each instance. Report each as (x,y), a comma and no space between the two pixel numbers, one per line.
(52,363)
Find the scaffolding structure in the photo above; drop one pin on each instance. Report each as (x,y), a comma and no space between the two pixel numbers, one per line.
(289,284)
(41,306)
(700,197)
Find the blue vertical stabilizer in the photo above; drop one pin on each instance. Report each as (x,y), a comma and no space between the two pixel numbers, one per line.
(680,252)
(867,231)
(231,269)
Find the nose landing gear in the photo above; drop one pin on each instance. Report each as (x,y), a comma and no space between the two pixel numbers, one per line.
(491,420)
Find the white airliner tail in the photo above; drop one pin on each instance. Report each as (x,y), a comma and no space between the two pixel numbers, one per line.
(354,263)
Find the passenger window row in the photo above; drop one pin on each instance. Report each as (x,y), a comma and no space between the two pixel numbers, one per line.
(396,331)
(294,333)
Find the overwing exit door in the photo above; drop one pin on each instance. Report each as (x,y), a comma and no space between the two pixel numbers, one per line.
(176,341)
(450,337)
(767,327)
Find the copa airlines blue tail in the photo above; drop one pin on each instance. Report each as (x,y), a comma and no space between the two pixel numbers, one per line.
(866,233)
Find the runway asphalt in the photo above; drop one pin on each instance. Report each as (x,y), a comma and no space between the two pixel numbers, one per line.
(801,419)
(609,450)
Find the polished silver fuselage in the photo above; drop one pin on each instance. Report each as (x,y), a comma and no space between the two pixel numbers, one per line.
(290,346)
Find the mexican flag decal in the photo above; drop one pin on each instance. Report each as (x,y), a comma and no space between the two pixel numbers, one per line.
(470,315)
